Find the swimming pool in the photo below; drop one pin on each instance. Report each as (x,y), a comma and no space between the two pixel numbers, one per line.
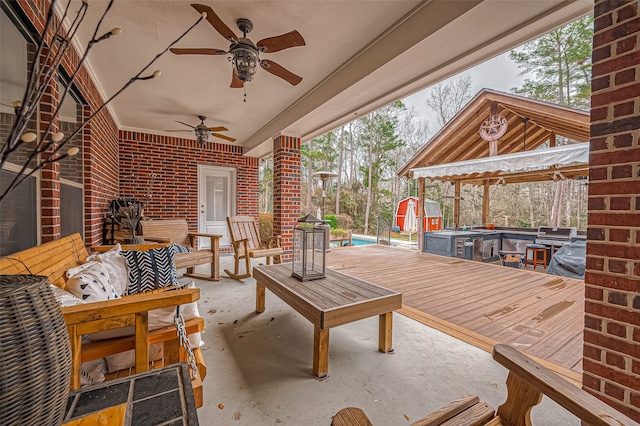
(365,240)
(361,242)
(357,241)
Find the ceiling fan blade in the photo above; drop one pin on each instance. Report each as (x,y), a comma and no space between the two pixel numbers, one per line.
(218,129)
(236,83)
(280,71)
(182,122)
(281,42)
(215,21)
(196,51)
(218,135)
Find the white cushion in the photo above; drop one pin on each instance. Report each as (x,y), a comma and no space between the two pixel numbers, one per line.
(127,359)
(90,282)
(116,266)
(64,298)
(92,372)
(158,318)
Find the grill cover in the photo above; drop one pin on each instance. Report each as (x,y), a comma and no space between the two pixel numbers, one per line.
(569,260)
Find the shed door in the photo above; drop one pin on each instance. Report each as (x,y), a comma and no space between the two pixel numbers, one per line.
(217,200)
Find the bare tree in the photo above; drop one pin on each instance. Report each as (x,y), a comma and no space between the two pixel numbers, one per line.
(340,160)
(447,98)
(309,178)
(370,176)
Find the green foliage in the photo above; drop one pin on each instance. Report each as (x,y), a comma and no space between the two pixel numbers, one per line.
(265,186)
(561,64)
(339,231)
(266,225)
(332,220)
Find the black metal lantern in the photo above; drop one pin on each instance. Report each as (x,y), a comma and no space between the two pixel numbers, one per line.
(309,245)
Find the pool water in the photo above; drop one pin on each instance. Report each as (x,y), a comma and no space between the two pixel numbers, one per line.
(357,242)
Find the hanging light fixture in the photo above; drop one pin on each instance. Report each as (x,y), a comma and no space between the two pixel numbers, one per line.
(244,53)
(202,135)
(202,131)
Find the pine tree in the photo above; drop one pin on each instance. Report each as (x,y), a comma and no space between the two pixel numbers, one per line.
(560,62)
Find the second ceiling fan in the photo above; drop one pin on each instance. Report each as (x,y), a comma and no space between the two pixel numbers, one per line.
(203,132)
(245,55)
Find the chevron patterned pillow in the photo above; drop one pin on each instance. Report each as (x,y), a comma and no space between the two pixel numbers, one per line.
(179,248)
(149,270)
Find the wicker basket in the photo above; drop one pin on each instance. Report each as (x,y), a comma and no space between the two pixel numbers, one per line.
(35,356)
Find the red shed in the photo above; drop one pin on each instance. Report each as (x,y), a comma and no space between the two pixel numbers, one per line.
(432,214)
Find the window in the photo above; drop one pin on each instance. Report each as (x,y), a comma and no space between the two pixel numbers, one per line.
(19,210)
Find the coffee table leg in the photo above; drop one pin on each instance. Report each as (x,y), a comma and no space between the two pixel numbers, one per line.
(320,352)
(259,298)
(385,333)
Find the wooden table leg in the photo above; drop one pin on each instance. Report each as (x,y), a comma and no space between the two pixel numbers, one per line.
(259,298)
(385,333)
(320,352)
(215,264)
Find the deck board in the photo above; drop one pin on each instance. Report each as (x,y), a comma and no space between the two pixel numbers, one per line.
(541,314)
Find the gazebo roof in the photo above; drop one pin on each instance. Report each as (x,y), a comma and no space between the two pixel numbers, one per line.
(459,140)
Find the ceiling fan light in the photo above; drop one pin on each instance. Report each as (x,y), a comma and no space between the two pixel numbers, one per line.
(203,136)
(245,61)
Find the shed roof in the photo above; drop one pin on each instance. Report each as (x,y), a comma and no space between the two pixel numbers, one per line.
(459,140)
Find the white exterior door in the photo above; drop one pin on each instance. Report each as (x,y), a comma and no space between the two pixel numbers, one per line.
(216,200)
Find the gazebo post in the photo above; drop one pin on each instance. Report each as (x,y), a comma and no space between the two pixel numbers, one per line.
(485,202)
(420,208)
(456,204)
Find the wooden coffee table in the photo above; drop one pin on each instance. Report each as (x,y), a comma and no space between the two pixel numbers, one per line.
(335,300)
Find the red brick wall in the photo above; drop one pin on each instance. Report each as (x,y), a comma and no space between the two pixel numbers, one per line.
(100,148)
(612,311)
(174,194)
(50,174)
(286,189)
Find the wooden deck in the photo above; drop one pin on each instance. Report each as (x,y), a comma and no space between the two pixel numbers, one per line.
(483,304)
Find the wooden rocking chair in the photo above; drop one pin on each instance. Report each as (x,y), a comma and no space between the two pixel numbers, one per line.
(247,244)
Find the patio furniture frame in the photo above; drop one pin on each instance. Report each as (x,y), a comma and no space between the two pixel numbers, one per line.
(335,300)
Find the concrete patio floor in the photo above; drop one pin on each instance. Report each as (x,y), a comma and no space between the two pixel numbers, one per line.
(259,366)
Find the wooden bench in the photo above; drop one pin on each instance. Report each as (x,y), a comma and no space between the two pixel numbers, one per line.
(177,231)
(54,258)
(247,244)
(527,382)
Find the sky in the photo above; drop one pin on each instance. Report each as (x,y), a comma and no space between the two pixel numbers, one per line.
(499,73)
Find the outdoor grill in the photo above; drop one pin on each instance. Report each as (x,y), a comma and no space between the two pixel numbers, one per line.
(555,236)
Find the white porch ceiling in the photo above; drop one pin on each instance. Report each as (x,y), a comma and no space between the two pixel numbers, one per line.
(359,55)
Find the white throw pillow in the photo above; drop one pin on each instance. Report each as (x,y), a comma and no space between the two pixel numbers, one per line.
(158,318)
(64,298)
(92,372)
(127,359)
(165,317)
(90,282)
(116,266)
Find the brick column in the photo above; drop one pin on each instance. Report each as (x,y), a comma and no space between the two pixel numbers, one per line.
(49,174)
(611,358)
(286,189)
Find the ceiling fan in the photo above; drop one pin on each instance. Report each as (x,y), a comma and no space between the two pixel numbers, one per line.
(203,132)
(245,55)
